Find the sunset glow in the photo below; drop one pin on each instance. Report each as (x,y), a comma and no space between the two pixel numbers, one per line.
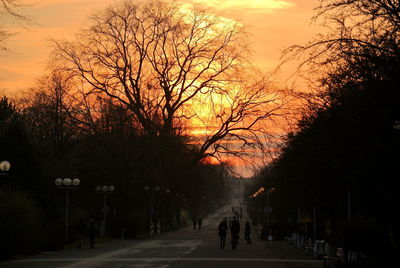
(271,25)
(166,129)
(255,5)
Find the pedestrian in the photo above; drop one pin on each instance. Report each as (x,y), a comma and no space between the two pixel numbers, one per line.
(80,230)
(194,220)
(222,229)
(247,231)
(235,229)
(92,229)
(199,223)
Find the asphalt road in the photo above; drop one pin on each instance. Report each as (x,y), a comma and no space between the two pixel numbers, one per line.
(182,248)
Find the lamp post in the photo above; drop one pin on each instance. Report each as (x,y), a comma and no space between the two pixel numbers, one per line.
(67,184)
(315,221)
(167,217)
(105,189)
(151,189)
(268,210)
(177,209)
(4,167)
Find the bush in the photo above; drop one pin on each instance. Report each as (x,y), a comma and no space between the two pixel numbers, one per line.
(53,234)
(132,223)
(20,223)
(184,217)
(357,235)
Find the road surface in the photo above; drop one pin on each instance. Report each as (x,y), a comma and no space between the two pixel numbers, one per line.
(182,248)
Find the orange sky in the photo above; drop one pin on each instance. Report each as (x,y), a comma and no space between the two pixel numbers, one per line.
(272,24)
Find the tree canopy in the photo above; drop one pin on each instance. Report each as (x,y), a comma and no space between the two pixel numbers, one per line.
(339,162)
(173,69)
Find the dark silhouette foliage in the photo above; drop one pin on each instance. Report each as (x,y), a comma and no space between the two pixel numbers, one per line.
(20,225)
(341,160)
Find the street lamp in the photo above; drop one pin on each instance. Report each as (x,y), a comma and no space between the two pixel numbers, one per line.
(167,211)
(105,189)
(151,189)
(396,125)
(67,184)
(268,209)
(4,167)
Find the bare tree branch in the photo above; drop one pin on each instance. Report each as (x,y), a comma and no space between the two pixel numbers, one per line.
(12,10)
(163,63)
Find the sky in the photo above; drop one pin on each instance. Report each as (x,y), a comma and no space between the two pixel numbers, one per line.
(272,26)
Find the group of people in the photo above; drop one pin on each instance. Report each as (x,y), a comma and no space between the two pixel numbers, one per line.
(234,226)
(223,227)
(196,222)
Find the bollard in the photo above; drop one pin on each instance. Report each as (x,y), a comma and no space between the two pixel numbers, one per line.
(158,227)
(340,254)
(151,228)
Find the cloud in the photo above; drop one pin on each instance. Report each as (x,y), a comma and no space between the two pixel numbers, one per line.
(7,73)
(69,2)
(253,5)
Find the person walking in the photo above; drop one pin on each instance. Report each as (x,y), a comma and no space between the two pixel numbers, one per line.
(235,229)
(199,223)
(194,220)
(247,231)
(92,229)
(222,229)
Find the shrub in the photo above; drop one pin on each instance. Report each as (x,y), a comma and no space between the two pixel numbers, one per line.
(133,223)
(20,223)
(53,234)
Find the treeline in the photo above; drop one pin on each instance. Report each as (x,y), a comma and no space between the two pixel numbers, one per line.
(339,169)
(42,142)
(121,104)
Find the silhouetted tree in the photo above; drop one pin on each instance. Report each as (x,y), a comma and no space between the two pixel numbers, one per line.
(11,9)
(47,117)
(343,148)
(361,31)
(171,68)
